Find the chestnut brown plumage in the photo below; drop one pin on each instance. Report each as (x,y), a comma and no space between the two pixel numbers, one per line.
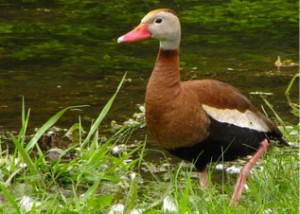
(201,121)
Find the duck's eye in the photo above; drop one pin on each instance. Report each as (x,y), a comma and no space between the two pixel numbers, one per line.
(158,20)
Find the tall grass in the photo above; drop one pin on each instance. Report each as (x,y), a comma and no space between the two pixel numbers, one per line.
(97,175)
(53,183)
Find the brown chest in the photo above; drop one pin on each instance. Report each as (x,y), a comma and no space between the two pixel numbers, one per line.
(176,123)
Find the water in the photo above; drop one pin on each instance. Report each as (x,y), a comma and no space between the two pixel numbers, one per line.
(56,57)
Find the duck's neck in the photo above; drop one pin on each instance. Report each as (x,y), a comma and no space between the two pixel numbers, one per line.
(164,83)
(166,70)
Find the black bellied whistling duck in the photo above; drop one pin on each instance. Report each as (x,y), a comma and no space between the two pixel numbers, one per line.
(201,121)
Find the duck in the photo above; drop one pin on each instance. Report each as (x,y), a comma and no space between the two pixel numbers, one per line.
(200,121)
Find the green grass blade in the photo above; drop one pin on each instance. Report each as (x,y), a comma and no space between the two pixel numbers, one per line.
(91,191)
(9,198)
(291,83)
(132,195)
(278,118)
(184,200)
(25,120)
(23,111)
(142,153)
(33,170)
(103,113)
(48,125)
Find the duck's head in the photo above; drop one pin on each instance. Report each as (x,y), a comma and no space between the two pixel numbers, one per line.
(161,24)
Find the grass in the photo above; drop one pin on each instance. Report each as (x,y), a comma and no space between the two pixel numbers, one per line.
(111,175)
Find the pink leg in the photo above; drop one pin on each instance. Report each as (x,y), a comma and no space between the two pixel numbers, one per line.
(203,180)
(239,186)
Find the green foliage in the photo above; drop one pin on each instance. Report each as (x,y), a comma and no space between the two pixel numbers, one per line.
(294,106)
(101,116)
(291,83)
(9,198)
(93,164)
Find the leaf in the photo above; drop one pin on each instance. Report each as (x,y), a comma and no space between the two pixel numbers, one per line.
(48,125)
(103,113)
(9,197)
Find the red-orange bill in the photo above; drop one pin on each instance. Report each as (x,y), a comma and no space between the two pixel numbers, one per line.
(138,33)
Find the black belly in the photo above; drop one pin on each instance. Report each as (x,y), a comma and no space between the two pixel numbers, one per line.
(226,142)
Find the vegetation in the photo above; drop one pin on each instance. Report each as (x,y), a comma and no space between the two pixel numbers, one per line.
(100,171)
(111,175)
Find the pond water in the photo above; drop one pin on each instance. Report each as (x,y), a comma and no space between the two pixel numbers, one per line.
(58,56)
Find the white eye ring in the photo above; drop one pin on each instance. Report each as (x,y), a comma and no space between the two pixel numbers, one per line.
(158,20)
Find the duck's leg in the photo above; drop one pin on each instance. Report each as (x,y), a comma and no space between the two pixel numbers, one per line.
(239,186)
(203,180)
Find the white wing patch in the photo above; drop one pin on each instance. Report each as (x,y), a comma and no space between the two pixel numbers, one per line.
(246,119)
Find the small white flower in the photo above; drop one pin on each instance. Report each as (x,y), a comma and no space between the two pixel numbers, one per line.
(128,160)
(142,108)
(118,149)
(16,161)
(220,166)
(246,187)
(117,209)
(233,170)
(23,165)
(50,133)
(267,211)
(136,211)
(27,203)
(133,176)
(115,150)
(169,205)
